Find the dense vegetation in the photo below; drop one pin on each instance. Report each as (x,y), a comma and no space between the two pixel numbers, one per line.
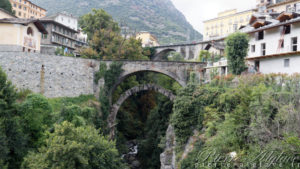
(37,132)
(258,114)
(158,17)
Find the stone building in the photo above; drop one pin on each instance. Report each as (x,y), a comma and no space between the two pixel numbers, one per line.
(27,9)
(21,35)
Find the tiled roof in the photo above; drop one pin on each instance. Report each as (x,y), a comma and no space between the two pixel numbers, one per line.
(21,21)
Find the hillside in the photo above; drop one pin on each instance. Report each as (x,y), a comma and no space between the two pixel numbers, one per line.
(159,17)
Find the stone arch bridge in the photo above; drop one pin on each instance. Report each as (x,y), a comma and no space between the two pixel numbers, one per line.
(189,51)
(179,71)
(115,108)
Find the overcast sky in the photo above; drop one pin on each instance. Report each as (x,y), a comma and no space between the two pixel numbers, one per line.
(197,11)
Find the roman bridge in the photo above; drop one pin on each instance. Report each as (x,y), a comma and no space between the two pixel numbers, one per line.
(189,51)
(59,76)
(178,71)
(115,108)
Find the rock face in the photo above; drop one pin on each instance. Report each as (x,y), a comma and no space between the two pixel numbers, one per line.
(168,157)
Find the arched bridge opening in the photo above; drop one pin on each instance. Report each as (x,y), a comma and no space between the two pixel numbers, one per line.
(163,54)
(146,87)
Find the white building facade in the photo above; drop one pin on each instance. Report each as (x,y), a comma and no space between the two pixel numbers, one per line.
(66,19)
(274,44)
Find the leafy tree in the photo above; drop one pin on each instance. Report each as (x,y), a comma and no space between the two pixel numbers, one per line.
(6,5)
(236,50)
(175,56)
(13,140)
(204,56)
(74,148)
(35,112)
(97,20)
(106,41)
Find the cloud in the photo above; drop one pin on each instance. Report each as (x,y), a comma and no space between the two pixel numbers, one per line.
(197,11)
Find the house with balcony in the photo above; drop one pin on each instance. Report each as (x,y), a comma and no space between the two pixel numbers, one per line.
(59,36)
(274,43)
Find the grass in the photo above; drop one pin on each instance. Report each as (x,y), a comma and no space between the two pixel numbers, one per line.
(83,100)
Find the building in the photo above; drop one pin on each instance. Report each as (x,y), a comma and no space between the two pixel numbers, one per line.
(278,6)
(274,43)
(27,9)
(226,23)
(59,36)
(5,14)
(148,40)
(21,35)
(65,19)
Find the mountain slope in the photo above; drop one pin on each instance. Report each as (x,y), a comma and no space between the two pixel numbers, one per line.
(159,17)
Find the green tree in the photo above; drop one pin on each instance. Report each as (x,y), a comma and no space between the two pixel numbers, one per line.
(13,140)
(35,112)
(97,20)
(75,148)
(6,5)
(236,50)
(106,41)
(204,56)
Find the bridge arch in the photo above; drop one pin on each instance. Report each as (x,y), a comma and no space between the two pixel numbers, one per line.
(115,108)
(161,53)
(174,75)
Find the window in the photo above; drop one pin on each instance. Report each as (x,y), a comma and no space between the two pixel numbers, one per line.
(282,43)
(252,48)
(20,13)
(260,35)
(29,31)
(20,7)
(25,8)
(257,65)
(263,49)
(286,62)
(15,5)
(294,44)
(287,29)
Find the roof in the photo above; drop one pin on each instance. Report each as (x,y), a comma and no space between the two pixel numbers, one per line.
(274,55)
(60,13)
(273,21)
(25,22)
(5,11)
(48,20)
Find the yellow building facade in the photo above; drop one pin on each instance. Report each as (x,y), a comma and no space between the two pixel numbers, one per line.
(226,23)
(148,40)
(27,9)
(22,35)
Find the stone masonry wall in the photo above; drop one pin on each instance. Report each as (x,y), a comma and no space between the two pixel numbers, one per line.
(53,76)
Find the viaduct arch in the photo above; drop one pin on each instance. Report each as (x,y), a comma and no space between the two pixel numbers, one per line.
(115,108)
(179,71)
